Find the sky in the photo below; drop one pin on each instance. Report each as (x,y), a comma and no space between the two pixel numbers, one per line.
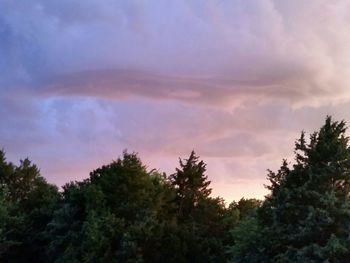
(235,80)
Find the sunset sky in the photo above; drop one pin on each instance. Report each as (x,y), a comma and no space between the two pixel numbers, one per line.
(234,80)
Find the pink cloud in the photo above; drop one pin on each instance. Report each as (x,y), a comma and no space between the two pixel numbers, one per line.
(235,80)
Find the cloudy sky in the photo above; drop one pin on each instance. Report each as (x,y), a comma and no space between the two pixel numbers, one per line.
(235,80)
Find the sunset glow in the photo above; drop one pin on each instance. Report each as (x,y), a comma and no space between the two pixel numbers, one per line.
(237,81)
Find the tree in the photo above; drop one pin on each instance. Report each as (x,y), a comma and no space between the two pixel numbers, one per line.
(245,207)
(27,203)
(119,214)
(246,233)
(306,216)
(191,185)
(248,239)
(202,224)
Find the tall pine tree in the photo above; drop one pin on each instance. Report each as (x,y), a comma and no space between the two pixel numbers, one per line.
(307,214)
(200,228)
(191,184)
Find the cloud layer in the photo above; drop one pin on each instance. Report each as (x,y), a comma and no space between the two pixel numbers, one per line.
(235,80)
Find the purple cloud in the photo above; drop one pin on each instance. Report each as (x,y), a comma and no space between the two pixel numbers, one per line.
(235,80)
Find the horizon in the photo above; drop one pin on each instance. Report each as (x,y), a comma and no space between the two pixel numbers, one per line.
(237,81)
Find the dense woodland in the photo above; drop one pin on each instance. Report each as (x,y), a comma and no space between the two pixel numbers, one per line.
(125,212)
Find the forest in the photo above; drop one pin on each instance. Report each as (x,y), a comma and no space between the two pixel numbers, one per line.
(126,212)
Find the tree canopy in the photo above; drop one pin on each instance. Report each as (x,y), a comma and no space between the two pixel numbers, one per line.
(126,212)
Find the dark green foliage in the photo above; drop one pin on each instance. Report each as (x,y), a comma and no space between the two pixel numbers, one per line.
(246,234)
(191,185)
(27,203)
(306,216)
(245,207)
(125,213)
(120,214)
(202,221)
(310,209)
(249,242)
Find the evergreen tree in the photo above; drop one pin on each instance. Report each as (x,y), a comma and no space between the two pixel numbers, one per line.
(191,185)
(202,221)
(307,215)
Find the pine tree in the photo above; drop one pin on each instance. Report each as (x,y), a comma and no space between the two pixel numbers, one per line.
(201,220)
(307,214)
(191,184)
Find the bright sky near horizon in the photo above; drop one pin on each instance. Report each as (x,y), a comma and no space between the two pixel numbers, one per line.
(234,80)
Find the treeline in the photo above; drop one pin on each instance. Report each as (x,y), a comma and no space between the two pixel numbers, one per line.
(126,213)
